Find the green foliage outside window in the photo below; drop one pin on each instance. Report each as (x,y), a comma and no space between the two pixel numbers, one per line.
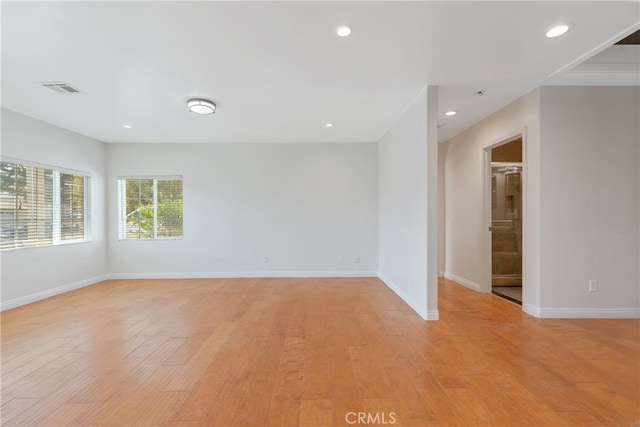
(153,208)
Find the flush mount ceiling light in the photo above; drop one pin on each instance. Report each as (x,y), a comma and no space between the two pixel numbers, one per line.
(201,106)
(451,113)
(126,126)
(343,30)
(557,31)
(328,125)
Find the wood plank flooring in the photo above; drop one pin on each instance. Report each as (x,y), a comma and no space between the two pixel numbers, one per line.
(308,352)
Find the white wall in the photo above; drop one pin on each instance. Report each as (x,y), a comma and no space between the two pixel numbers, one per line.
(590,196)
(302,205)
(403,208)
(442,155)
(432,202)
(35,273)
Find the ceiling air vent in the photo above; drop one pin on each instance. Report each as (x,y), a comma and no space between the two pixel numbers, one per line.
(62,88)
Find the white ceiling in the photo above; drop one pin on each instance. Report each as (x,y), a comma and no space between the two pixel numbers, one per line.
(277,70)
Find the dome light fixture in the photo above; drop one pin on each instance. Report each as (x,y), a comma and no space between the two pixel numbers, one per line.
(451,113)
(343,30)
(328,125)
(201,106)
(557,30)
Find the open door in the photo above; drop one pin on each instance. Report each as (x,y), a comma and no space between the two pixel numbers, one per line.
(506,220)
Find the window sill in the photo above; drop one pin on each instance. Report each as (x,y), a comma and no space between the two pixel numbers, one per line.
(66,243)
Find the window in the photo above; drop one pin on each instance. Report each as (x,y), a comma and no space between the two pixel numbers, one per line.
(150,208)
(42,205)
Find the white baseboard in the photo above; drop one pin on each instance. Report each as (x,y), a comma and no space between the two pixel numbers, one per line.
(433,315)
(464,282)
(549,313)
(582,313)
(422,311)
(17,302)
(243,274)
(28,299)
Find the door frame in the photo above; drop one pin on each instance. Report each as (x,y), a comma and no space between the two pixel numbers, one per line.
(485,285)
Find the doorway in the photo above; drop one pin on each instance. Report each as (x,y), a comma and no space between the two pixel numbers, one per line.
(506,220)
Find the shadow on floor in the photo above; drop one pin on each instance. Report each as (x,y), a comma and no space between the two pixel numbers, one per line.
(511,293)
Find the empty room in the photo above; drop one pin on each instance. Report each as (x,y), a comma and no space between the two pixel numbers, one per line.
(320,213)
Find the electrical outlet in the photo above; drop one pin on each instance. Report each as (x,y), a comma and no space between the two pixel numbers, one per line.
(593,285)
(340,259)
(118,260)
(356,260)
(266,259)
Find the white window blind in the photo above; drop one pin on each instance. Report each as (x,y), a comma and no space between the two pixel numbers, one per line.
(42,205)
(150,208)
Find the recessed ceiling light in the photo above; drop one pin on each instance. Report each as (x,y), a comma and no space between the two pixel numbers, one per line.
(343,30)
(450,113)
(201,106)
(126,126)
(328,125)
(557,31)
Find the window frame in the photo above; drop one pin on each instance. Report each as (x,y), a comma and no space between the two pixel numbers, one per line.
(56,206)
(122,208)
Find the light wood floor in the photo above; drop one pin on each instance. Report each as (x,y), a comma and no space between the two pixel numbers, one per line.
(282,352)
